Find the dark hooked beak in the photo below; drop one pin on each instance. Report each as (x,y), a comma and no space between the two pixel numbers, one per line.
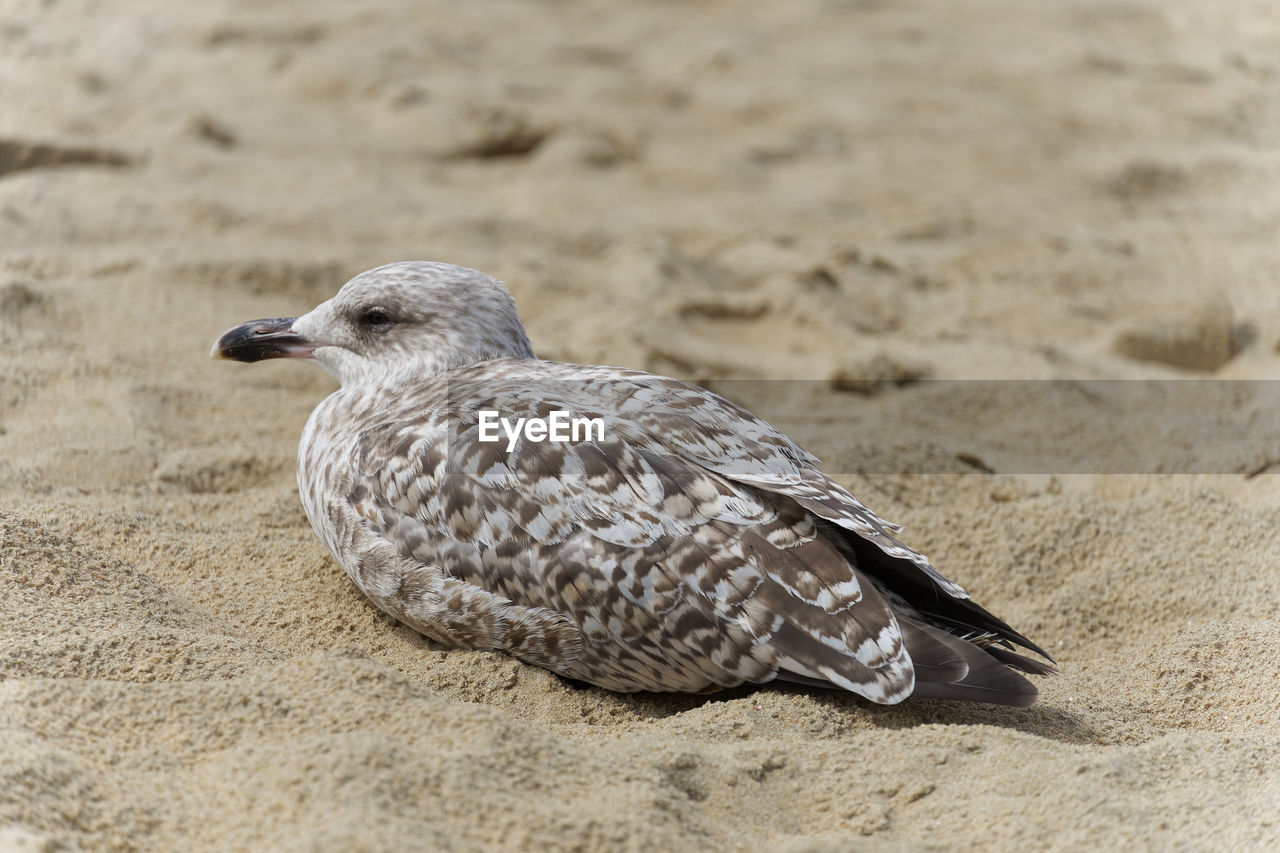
(262,339)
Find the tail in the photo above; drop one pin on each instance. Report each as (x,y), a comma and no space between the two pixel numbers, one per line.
(950,667)
(932,618)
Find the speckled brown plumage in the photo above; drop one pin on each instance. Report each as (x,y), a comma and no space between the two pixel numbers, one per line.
(691,547)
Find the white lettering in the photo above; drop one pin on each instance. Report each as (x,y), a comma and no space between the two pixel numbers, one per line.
(488,420)
(513,433)
(587,424)
(558,426)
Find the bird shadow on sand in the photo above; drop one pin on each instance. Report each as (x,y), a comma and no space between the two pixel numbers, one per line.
(1040,720)
(844,711)
(852,712)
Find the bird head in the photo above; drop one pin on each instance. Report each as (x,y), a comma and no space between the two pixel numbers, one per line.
(417,317)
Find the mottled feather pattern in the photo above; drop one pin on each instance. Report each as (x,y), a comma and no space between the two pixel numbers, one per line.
(692,546)
(625,536)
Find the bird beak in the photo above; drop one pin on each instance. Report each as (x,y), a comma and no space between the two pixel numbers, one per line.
(262,339)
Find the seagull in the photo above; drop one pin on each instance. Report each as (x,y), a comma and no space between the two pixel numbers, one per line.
(676,543)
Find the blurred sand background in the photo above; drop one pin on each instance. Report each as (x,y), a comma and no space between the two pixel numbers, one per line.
(821,190)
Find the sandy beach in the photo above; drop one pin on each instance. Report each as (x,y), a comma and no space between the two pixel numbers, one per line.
(841,197)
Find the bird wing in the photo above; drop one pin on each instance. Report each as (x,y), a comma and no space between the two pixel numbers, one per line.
(721,436)
(681,542)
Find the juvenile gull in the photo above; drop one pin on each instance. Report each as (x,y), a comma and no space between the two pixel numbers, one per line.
(685,546)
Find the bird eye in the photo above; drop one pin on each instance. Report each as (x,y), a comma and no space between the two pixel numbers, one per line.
(375,317)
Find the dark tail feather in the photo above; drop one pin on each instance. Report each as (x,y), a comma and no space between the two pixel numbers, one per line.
(988,679)
(985,620)
(933,659)
(910,582)
(1021,662)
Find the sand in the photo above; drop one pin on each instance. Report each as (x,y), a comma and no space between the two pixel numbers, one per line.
(862,192)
